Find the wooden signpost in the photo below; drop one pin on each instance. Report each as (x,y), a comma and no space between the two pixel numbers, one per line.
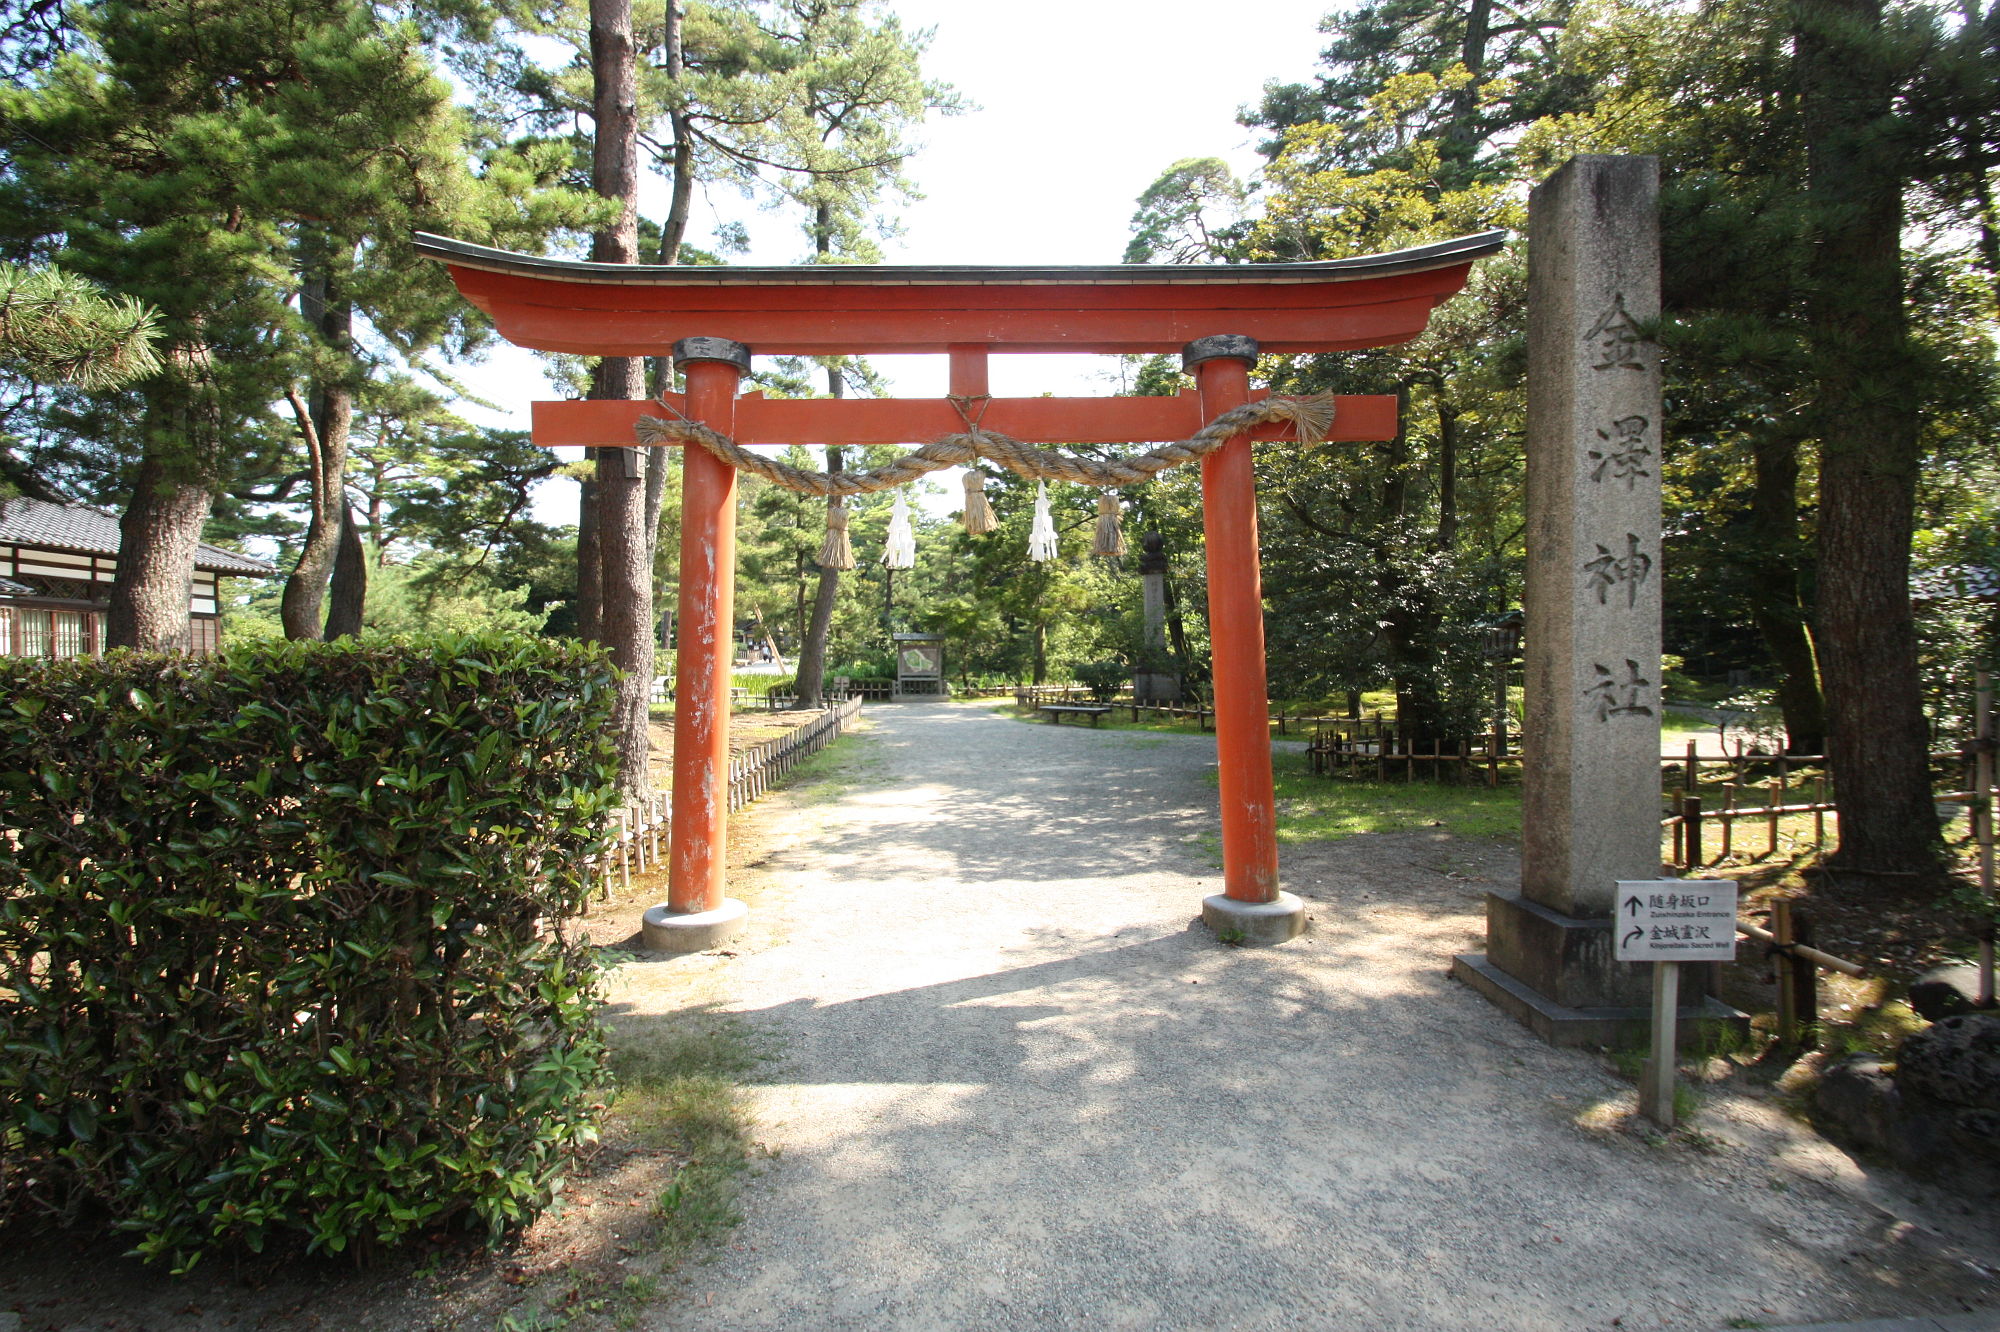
(1668,922)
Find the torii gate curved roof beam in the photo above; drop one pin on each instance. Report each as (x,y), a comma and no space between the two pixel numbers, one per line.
(862,309)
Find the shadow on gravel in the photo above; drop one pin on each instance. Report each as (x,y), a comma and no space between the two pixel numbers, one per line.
(1139,1127)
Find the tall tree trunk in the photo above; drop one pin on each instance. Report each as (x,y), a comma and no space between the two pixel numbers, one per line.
(589,557)
(1177,636)
(172,492)
(347,597)
(1447,528)
(625,619)
(812,652)
(626,627)
(1461,134)
(326,427)
(1867,422)
(1777,606)
(812,649)
(674,229)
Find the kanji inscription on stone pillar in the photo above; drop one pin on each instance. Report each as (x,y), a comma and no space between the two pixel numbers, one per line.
(1593,595)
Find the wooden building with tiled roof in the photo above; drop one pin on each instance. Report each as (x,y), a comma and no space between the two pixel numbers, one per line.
(56,566)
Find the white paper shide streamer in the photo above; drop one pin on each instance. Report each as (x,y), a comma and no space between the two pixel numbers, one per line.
(900,552)
(1042,536)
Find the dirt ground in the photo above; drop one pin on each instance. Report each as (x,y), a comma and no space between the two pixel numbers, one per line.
(1019,1091)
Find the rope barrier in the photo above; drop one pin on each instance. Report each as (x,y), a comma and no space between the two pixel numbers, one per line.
(1311,417)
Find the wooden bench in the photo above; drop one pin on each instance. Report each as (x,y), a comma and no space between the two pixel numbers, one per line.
(1057,711)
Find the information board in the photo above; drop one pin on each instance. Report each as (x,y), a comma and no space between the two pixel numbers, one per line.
(1676,920)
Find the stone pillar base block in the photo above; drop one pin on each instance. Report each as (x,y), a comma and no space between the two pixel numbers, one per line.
(1624,1026)
(1254,924)
(1568,959)
(665,930)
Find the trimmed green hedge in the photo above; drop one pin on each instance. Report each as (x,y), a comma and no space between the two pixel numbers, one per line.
(280,945)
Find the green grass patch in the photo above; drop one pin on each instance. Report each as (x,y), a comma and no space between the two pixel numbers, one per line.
(679,1090)
(1680,724)
(1875,1029)
(849,762)
(1374,703)
(1118,719)
(1312,808)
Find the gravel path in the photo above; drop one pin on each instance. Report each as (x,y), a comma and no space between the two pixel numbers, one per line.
(1018,1091)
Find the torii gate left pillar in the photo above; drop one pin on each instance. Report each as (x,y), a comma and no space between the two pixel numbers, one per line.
(696,914)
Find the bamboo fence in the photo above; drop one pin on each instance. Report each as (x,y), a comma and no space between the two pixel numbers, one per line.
(640,839)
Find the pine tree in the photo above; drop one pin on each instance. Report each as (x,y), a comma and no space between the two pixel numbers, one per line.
(187,156)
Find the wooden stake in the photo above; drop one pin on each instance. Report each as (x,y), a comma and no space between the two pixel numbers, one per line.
(1805,978)
(624,852)
(1785,964)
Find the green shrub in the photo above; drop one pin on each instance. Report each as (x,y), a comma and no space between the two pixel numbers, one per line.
(280,937)
(883,668)
(1104,678)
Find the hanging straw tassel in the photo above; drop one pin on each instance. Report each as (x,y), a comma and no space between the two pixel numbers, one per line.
(979,519)
(1110,541)
(1042,536)
(836,552)
(900,551)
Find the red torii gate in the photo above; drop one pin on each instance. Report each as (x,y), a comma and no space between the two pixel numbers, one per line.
(1220,316)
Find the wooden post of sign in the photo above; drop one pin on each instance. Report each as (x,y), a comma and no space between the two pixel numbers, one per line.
(1250,909)
(1656,1083)
(696,915)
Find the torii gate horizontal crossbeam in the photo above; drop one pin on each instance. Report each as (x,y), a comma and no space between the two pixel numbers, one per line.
(761,420)
(869,309)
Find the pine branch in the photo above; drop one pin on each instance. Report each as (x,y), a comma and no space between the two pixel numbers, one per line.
(58,329)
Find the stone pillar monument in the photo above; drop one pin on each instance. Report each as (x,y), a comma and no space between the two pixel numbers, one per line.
(1153,580)
(1591,803)
(1152,682)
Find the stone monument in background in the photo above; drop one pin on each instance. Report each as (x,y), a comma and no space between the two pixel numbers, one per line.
(1152,680)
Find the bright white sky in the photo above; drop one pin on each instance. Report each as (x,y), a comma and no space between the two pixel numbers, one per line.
(1080,105)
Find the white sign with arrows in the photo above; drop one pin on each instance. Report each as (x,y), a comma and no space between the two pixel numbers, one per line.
(1676,920)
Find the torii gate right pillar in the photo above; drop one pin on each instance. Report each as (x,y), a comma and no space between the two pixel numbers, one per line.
(1250,909)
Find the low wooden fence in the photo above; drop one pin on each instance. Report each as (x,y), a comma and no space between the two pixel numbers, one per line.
(640,841)
(1802,789)
(1370,747)
(1030,697)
